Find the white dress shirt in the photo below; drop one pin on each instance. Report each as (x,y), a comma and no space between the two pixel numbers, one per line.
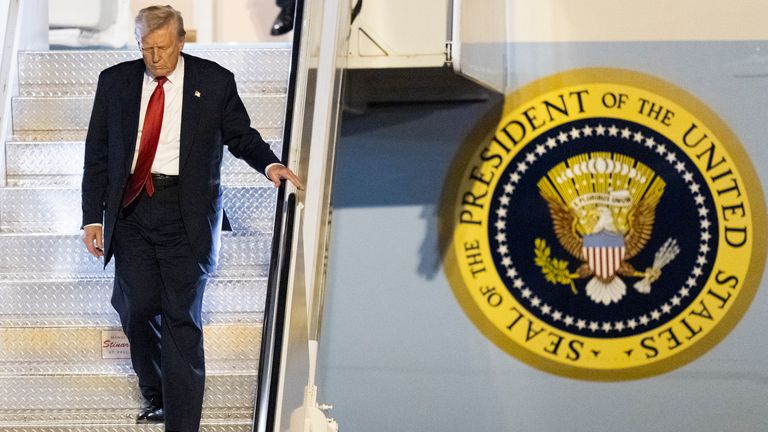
(169,144)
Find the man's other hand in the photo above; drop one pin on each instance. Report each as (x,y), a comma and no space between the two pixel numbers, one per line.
(278,172)
(93,239)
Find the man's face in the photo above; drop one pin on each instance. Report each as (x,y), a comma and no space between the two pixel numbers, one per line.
(161,49)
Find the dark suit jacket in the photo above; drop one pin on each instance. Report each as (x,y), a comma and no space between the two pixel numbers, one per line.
(208,122)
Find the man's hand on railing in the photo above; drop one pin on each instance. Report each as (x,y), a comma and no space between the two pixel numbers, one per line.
(278,172)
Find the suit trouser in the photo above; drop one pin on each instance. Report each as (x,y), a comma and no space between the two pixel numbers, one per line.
(158,294)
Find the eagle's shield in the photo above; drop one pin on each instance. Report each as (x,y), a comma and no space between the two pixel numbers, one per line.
(604,253)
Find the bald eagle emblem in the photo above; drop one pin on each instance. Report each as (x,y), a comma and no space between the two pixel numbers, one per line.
(603,207)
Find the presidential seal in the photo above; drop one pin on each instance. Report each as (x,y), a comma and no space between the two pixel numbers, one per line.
(610,226)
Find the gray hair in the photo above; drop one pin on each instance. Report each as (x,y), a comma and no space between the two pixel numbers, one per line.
(152,18)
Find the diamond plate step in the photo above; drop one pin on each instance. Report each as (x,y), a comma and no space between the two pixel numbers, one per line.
(64,256)
(77,350)
(207,425)
(74,112)
(224,389)
(250,178)
(40,300)
(65,158)
(54,73)
(111,417)
(111,320)
(57,210)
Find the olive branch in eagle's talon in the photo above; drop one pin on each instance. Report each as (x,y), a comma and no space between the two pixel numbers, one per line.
(554,270)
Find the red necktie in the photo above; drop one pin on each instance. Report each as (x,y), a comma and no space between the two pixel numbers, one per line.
(150,134)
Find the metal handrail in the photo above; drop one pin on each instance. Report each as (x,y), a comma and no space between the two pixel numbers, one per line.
(294,300)
(277,284)
(274,319)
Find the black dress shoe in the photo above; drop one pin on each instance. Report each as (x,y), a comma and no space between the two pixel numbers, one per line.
(284,22)
(151,414)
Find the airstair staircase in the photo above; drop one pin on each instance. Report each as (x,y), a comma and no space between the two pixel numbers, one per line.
(56,322)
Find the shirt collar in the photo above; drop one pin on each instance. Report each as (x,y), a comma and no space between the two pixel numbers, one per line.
(174,78)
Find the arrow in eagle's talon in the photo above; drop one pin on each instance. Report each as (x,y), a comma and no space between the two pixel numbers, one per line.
(652,274)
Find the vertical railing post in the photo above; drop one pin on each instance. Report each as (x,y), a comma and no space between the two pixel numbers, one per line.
(31,16)
(7,76)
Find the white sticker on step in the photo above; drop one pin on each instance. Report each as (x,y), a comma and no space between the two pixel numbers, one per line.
(114,345)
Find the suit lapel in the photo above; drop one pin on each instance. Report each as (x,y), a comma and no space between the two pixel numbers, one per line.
(190,110)
(131,104)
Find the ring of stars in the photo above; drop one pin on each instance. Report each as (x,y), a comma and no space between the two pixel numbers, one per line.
(637,137)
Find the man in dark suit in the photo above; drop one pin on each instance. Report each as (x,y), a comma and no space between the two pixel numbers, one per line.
(151,197)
